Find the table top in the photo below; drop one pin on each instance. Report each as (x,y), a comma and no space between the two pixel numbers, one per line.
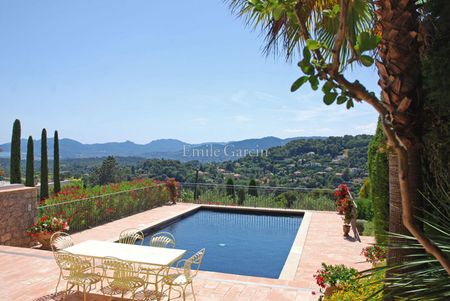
(134,253)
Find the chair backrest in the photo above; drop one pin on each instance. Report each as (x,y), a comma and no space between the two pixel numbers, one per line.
(195,260)
(70,264)
(130,236)
(162,240)
(121,270)
(60,241)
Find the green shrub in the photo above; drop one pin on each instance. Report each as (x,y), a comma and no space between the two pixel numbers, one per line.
(230,188)
(364,192)
(365,210)
(287,198)
(253,188)
(379,183)
(368,229)
(241,196)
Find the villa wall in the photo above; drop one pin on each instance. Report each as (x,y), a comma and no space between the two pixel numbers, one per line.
(17,213)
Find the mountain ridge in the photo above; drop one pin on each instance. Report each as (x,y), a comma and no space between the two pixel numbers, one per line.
(160,148)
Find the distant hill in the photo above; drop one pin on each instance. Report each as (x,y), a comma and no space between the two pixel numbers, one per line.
(162,148)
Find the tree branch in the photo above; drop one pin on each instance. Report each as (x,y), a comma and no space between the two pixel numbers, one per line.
(340,37)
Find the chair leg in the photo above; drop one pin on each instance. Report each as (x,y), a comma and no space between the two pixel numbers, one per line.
(59,280)
(184,292)
(193,292)
(170,290)
(84,292)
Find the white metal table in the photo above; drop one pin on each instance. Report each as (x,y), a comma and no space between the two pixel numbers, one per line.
(163,257)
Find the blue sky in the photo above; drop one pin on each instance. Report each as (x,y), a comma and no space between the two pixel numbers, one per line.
(112,70)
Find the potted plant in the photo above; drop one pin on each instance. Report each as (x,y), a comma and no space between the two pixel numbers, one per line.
(332,277)
(375,254)
(174,190)
(341,193)
(347,208)
(44,228)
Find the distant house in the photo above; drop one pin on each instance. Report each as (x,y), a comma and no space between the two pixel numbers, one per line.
(310,154)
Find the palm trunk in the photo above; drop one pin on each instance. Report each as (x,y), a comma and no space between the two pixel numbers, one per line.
(399,71)
(395,255)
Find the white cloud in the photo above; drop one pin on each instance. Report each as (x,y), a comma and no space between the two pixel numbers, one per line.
(294,131)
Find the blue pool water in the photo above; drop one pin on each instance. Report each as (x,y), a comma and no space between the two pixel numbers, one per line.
(237,242)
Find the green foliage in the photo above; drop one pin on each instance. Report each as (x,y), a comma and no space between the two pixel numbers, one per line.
(97,205)
(368,229)
(436,79)
(29,180)
(287,198)
(335,275)
(230,188)
(253,188)
(107,173)
(426,279)
(379,183)
(365,210)
(15,174)
(241,196)
(56,177)
(44,166)
(364,192)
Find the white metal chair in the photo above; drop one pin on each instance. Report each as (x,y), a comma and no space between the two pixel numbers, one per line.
(184,277)
(122,277)
(73,269)
(162,240)
(131,236)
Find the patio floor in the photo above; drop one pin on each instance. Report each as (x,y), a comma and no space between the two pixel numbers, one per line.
(31,274)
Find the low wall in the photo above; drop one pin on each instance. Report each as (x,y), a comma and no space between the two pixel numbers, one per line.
(17,213)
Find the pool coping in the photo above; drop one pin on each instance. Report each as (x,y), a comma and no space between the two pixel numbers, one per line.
(295,254)
(289,269)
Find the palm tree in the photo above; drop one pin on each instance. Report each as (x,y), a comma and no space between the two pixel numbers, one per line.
(331,35)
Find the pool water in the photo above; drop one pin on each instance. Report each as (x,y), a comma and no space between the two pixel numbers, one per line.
(237,242)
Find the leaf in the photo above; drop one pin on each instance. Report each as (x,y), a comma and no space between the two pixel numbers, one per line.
(366,60)
(327,87)
(306,67)
(314,81)
(278,12)
(306,54)
(366,41)
(341,99)
(312,44)
(298,83)
(329,98)
(350,103)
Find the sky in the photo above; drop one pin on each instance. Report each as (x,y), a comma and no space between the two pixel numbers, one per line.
(113,70)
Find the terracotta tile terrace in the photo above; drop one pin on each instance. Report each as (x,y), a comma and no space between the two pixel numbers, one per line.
(31,274)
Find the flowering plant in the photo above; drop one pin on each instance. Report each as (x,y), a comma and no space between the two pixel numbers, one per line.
(341,192)
(48,224)
(334,275)
(374,254)
(174,189)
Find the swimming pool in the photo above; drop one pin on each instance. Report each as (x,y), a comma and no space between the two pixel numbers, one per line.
(237,241)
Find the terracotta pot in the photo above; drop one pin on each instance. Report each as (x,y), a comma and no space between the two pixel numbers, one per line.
(329,291)
(44,239)
(346,229)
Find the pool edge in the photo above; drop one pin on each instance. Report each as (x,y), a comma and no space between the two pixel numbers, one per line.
(293,260)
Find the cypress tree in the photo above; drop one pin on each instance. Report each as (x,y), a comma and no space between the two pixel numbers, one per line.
(29,180)
(252,188)
(44,166)
(56,178)
(15,176)
(230,188)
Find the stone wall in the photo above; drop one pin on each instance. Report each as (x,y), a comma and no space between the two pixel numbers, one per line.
(17,213)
